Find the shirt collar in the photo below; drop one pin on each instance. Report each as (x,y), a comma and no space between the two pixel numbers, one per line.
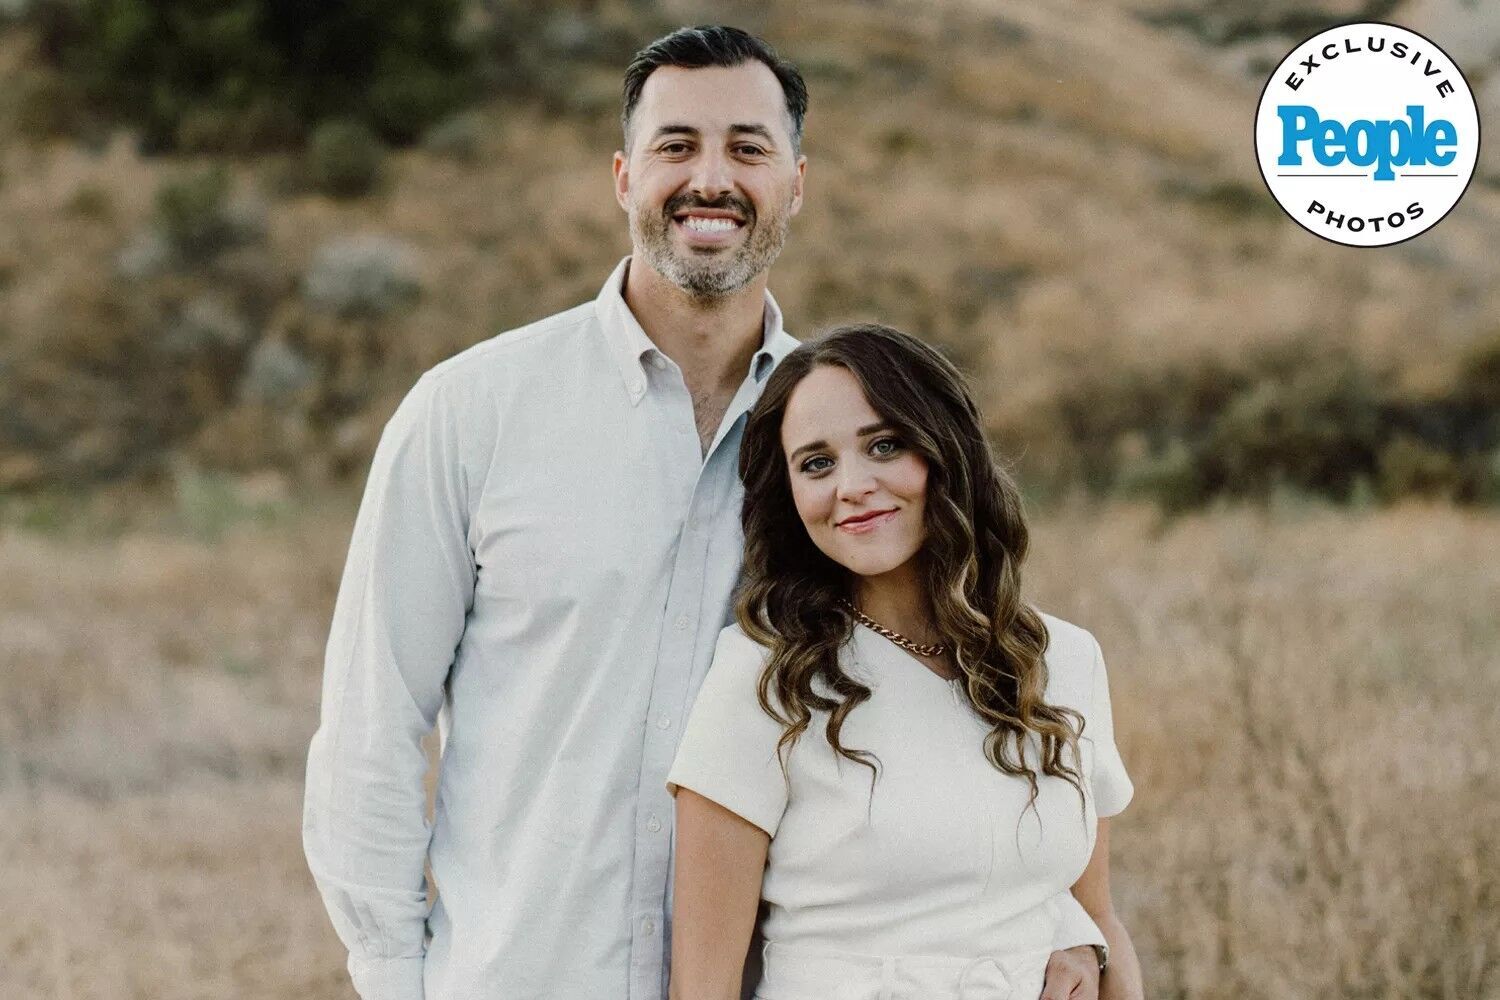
(632,349)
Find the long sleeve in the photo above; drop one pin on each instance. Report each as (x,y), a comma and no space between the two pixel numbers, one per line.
(406,590)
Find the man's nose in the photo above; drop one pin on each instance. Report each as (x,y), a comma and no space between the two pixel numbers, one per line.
(711,175)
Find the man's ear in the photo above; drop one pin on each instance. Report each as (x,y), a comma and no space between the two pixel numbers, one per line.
(622,179)
(797,185)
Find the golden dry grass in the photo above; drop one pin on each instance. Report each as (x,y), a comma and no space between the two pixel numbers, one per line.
(1305,699)
(1306,703)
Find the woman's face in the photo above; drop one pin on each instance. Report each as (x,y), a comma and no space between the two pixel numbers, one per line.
(859,489)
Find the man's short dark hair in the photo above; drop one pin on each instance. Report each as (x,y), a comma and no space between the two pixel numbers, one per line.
(713,45)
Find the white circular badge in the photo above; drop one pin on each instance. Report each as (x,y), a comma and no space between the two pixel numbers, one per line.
(1367,134)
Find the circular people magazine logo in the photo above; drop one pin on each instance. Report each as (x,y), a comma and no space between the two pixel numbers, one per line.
(1367,134)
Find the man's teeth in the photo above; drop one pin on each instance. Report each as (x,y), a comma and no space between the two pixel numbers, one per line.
(703,225)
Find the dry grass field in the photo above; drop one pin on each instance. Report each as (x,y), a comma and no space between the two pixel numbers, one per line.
(1057,192)
(1306,698)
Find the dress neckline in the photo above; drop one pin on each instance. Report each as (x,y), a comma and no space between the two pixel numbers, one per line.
(950,682)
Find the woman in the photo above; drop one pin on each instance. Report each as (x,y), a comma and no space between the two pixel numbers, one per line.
(880,749)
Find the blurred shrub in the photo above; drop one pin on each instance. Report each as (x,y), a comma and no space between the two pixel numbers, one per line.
(1171,477)
(544,50)
(206,326)
(208,502)
(43,103)
(89,201)
(1315,428)
(1479,375)
(192,212)
(1299,419)
(92,399)
(1224,22)
(1410,466)
(365,276)
(146,255)
(1227,198)
(218,128)
(457,137)
(238,75)
(275,374)
(1488,477)
(344,157)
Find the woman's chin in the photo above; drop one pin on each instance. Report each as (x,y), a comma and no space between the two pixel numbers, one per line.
(870,565)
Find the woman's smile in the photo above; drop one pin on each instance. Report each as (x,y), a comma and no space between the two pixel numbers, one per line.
(862,524)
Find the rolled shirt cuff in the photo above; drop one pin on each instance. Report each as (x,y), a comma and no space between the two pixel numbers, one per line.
(387,978)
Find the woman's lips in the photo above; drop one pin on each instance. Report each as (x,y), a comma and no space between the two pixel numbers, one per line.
(867,525)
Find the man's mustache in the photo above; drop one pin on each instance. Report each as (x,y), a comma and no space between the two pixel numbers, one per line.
(728,202)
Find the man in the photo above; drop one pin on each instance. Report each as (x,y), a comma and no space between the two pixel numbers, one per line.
(541,564)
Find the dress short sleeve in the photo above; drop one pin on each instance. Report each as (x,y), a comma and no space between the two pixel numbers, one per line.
(728,747)
(1111,786)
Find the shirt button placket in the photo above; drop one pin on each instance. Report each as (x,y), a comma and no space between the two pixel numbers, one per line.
(672,677)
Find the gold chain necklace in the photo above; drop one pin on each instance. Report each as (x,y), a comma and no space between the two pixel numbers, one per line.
(934,649)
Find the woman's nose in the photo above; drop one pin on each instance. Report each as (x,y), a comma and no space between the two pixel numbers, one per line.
(855,482)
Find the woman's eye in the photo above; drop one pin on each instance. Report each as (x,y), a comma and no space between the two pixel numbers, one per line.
(811,465)
(886,446)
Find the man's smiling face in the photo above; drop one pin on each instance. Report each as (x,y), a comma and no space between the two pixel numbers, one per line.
(710,180)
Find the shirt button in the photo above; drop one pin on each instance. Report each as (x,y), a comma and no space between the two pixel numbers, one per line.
(653,824)
(663,722)
(648,926)
(681,623)
(658,362)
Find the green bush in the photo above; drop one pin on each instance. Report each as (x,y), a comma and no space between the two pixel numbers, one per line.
(192,213)
(1316,429)
(1479,374)
(1412,467)
(344,157)
(246,74)
(1301,419)
(44,104)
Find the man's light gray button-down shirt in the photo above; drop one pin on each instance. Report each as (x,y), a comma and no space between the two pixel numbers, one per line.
(541,564)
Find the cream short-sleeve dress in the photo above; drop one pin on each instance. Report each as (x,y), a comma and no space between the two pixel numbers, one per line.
(941,883)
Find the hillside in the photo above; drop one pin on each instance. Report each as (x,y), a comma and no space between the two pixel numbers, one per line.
(1060,193)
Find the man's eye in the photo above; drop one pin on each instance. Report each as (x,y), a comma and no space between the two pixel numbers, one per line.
(748,150)
(674,148)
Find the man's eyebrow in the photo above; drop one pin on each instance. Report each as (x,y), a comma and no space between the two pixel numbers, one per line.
(862,432)
(673,129)
(759,130)
(743,128)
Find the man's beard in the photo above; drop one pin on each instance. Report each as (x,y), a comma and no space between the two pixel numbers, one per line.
(709,277)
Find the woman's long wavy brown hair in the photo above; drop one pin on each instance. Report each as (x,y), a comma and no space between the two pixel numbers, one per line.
(976,539)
